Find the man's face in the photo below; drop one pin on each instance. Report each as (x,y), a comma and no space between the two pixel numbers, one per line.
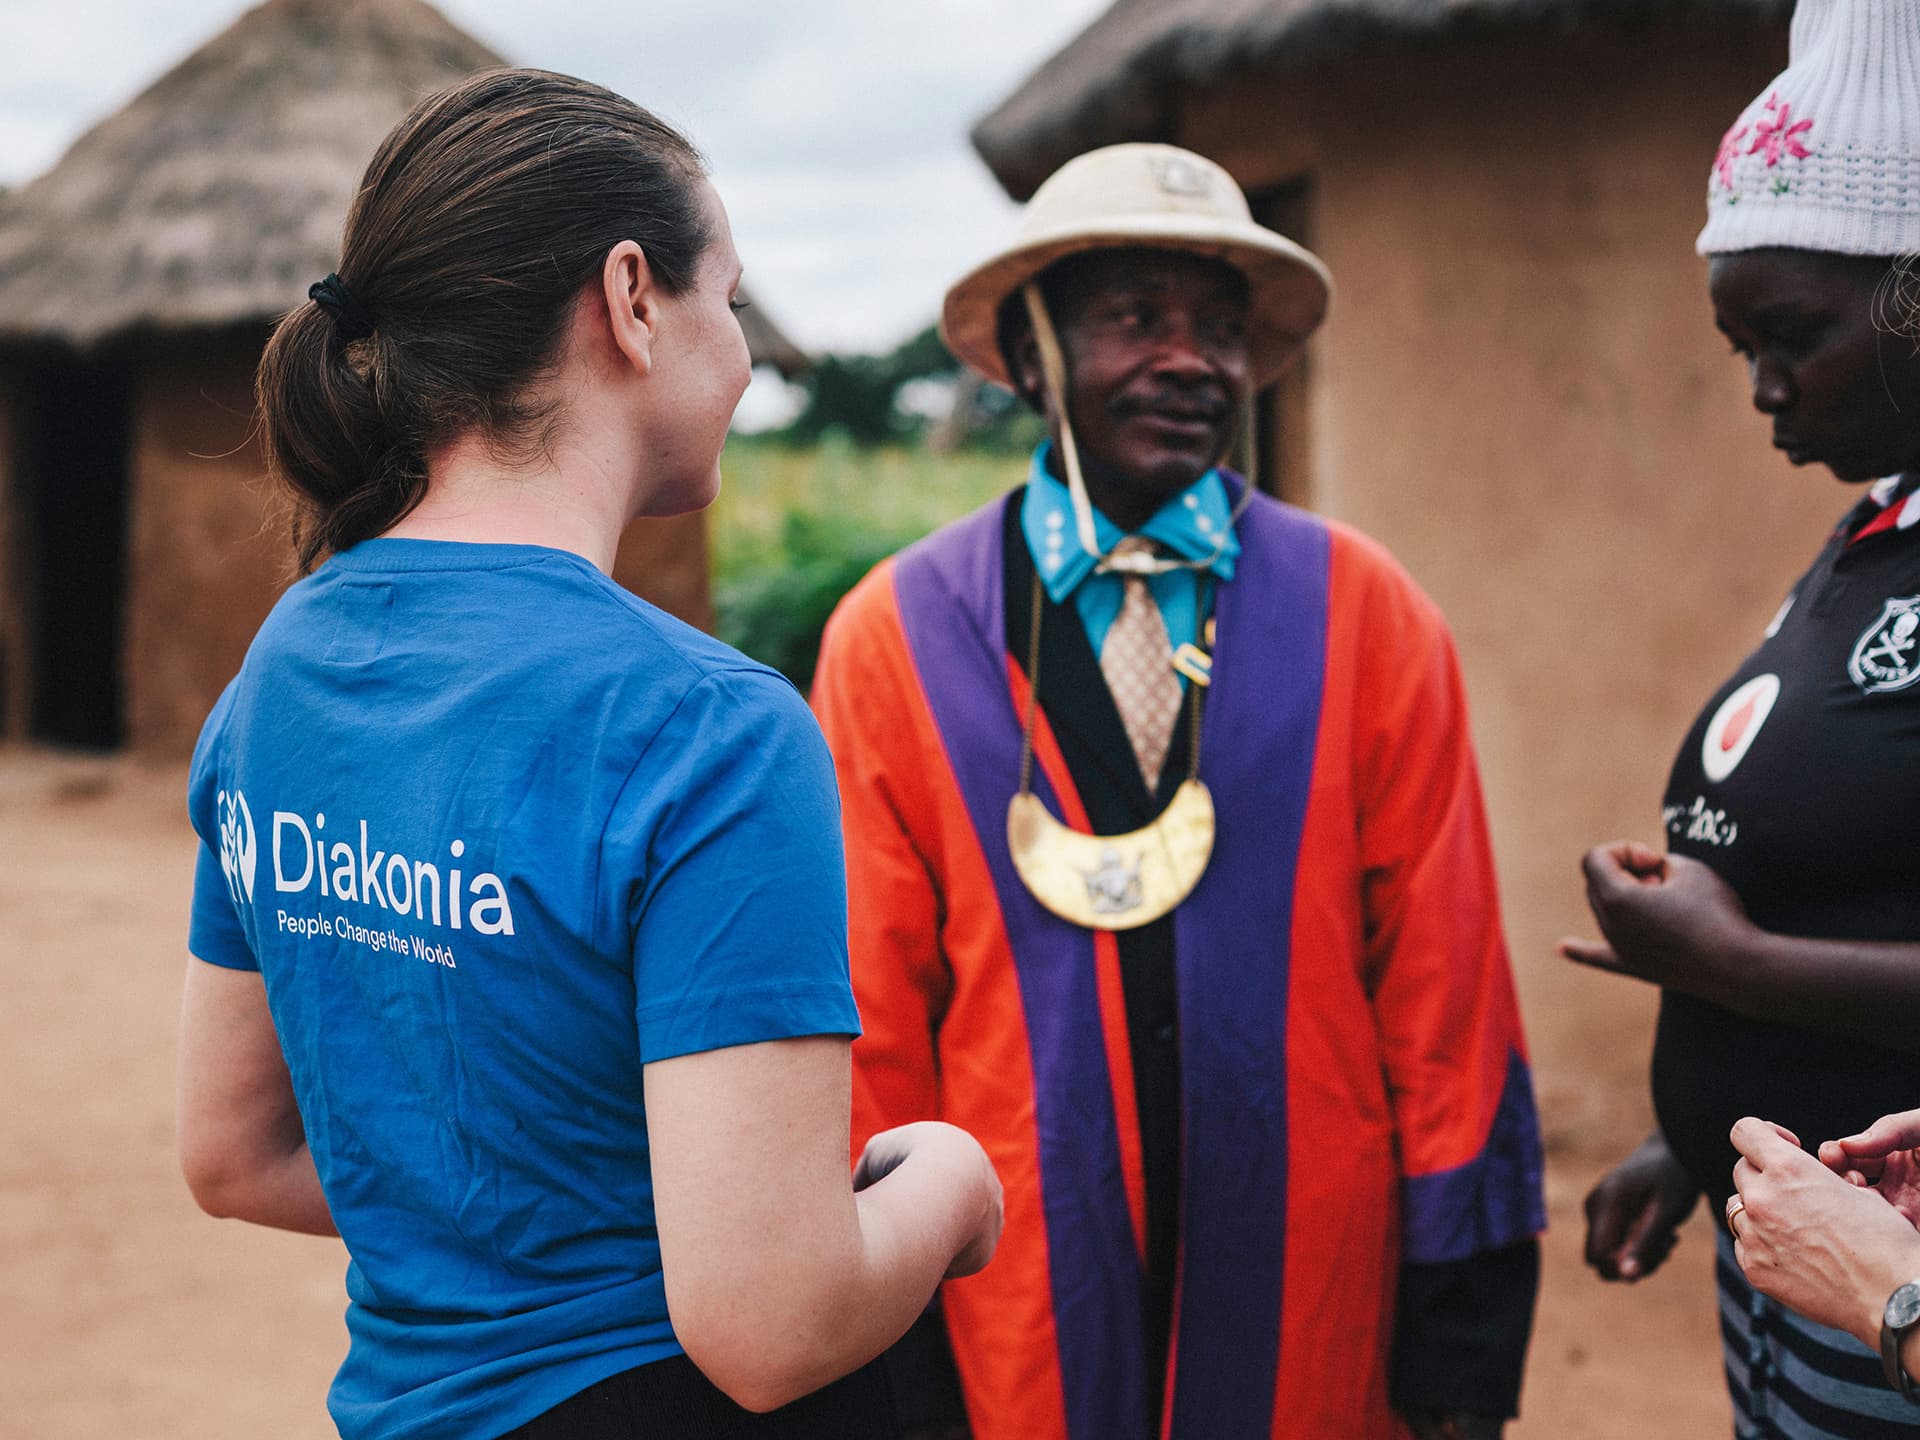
(1156,351)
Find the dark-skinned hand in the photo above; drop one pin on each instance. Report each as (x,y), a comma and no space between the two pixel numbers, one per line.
(1666,919)
(1634,1213)
(1433,1425)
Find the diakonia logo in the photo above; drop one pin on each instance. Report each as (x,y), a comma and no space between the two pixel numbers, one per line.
(307,856)
(238,852)
(1730,734)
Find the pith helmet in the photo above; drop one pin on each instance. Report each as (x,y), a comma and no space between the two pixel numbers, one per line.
(1157,196)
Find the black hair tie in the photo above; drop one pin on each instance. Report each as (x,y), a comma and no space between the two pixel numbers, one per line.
(350,320)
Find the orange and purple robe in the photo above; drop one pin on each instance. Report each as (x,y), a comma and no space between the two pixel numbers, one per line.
(1355,1100)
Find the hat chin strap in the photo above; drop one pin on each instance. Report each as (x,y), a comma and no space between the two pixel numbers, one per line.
(1053,368)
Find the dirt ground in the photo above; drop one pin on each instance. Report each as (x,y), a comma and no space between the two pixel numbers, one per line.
(128,1315)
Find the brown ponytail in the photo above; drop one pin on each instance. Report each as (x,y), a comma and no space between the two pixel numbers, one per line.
(479,219)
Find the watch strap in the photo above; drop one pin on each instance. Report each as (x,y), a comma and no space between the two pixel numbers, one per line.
(1901,1315)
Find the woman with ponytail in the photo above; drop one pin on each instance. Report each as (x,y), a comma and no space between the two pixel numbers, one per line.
(519,931)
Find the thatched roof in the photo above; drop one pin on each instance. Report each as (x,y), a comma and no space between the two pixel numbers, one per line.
(766,343)
(1118,80)
(216,196)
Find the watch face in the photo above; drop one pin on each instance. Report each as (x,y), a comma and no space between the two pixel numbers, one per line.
(1903,1306)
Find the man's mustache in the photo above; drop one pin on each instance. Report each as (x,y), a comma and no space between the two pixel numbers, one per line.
(1205,402)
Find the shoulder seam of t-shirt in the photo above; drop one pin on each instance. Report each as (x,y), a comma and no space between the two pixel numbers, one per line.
(749,667)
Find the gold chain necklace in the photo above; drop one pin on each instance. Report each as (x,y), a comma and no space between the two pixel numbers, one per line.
(1112,882)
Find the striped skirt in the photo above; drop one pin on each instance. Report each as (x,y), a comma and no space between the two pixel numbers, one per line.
(1794,1380)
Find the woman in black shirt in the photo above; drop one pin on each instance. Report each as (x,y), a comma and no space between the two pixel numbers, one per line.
(1782,922)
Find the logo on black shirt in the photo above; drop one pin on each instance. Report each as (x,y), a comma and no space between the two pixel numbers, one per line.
(1731,731)
(1887,654)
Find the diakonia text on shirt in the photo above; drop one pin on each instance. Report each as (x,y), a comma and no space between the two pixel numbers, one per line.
(306,927)
(304,860)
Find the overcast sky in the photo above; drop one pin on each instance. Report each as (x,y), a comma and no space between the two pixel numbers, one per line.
(837,128)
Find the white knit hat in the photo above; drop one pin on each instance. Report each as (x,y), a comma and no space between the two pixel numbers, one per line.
(1827,157)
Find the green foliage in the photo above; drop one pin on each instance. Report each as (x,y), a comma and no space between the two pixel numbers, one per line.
(854,394)
(999,422)
(804,513)
(923,355)
(795,528)
(776,613)
(857,398)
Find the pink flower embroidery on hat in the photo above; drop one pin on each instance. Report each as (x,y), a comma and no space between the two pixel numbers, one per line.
(1779,133)
(1729,152)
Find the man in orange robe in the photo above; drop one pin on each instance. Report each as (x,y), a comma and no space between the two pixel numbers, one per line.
(1271,1159)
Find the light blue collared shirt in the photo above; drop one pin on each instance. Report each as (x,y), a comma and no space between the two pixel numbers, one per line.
(1190,525)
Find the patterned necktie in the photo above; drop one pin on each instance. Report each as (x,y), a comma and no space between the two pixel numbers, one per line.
(1137,659)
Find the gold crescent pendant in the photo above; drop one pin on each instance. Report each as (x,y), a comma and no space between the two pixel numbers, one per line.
(1113,882)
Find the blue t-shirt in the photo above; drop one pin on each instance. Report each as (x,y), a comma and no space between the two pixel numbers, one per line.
(497,833)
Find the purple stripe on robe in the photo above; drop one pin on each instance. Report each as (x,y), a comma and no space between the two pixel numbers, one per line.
(949,588)
(1232,949)
(1233,935)
(1492,1200)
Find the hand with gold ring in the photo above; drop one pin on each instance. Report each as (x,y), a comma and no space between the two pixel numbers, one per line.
(1832,1251)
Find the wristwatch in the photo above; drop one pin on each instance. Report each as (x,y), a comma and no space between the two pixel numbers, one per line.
(1901,1315)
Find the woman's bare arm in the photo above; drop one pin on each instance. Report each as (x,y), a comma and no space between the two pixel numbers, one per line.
(242,1148)
(779,1277)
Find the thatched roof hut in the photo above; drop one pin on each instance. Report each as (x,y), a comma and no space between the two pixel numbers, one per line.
(138,280)
(1519,388)
(216,196)
(1123,76)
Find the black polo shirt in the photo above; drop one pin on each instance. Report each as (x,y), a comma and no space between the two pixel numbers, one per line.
(1800,785)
